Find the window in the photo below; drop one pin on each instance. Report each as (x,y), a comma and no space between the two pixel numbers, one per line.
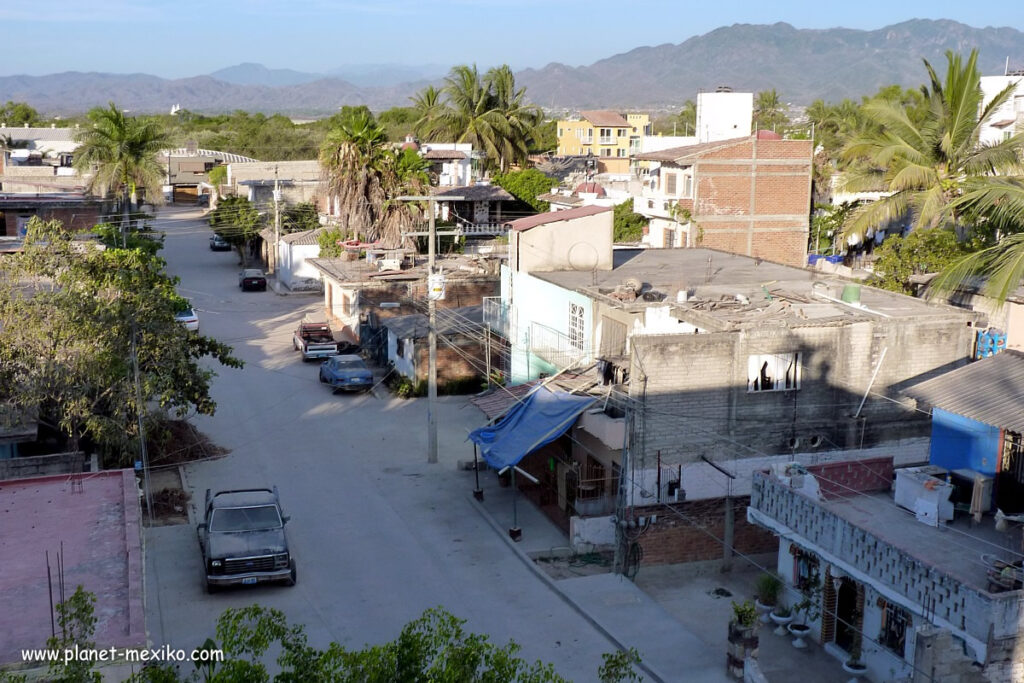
(805,569)
(773,372)
(606,152)
(622,132)
(400,348)
(687,185)
(670,183)
(895,620)
(606,136)
(559,132)
(576,326)
(620,152)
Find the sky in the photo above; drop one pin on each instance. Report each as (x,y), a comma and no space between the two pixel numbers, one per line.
(192,37)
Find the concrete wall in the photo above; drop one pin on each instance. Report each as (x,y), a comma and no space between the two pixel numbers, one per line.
(42,465)
(724,115)
(697,399)
(579,243)
(589,533)
(293,269)
(79,217)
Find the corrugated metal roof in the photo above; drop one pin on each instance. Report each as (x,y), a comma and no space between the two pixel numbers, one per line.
(990,390)
(556,216)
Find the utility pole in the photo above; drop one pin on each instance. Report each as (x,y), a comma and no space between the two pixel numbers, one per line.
(434,291)
(142,428)
(277,222)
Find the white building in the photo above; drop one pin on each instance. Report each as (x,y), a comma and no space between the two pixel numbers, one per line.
(293,268)
(723,115)
(1008,119)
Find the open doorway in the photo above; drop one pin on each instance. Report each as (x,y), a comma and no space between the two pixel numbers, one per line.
(846,614)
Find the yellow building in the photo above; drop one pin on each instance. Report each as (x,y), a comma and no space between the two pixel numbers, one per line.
(606,135)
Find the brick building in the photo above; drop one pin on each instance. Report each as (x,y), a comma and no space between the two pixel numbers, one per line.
(461,349)
(749,196)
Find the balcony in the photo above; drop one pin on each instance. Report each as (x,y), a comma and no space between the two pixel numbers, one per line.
(555,347)
(607,140)
(929,571)
(499,316)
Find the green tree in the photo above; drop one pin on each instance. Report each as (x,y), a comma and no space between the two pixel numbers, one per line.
(366,176)
(217,176)
(302,216)
(920,252)
(18,114)
(628,225)
(429,107)
(769,112)
(936,172)
(81,310)
(330,242)
(239,222)
(120,152)
(526,185)
(76,619)
(398,122)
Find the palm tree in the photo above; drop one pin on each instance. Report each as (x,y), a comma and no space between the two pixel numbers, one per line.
(687,118)
(523,119)
(934,169)
(365,176)
(121,152)
(429,109)
(768,110)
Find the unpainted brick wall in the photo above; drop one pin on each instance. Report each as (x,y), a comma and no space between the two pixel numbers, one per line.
(840,479)
(693,532)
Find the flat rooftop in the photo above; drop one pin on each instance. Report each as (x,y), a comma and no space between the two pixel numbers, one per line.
(954,549)
(356,272)
(96,517)
(736,291)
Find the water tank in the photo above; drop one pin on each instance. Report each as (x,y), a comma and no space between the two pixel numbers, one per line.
(851,294)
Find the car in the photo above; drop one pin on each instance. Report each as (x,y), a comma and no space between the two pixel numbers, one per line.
(188,318)
(252,278)
(346,373)
(218,243)
(203,200)
(242,539)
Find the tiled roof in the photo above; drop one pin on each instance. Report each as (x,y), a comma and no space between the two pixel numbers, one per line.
(604,117)
(990,390)
(444,154)
(568,200)
(476,193)
(678,154)
(555,216)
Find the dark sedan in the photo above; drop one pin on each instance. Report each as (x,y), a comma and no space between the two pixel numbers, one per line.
(346,373)
(252,279)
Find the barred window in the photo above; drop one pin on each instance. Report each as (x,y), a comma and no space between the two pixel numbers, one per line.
(895,620)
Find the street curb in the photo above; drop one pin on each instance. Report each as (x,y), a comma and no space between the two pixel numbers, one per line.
(553,586)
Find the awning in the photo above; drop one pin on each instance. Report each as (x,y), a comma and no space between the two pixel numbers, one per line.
(540,418)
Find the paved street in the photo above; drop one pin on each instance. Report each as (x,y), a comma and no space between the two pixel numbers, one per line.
(378,534)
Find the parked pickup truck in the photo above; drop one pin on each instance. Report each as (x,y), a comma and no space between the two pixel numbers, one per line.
(315,340)
(242,539)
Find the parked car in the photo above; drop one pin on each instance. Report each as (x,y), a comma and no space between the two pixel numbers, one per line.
(242,539)
(203,200)
(218,243)
(315,340)
(188,318)
(346,373)
(252,278)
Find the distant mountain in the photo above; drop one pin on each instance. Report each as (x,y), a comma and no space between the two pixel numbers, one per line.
(801,64)
(257,74)
(367,75)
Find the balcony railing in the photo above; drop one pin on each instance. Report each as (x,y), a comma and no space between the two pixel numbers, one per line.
(606,140)
(499,316)
(556,348)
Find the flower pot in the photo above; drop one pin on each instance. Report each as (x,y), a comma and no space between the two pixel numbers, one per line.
(764,611)
(856,668)
(799,632)
(781,622)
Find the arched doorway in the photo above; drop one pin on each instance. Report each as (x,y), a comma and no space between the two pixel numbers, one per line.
(847,617)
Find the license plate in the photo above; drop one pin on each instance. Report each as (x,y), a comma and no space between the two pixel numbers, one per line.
(249,580)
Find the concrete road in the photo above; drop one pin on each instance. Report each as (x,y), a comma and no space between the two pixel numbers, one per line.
(378,534)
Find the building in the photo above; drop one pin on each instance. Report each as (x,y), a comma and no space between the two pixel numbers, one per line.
(462,355)
(723,115)
(292,266)
(1007,120)
(714,365)
(188,170)
(479,209)
(298,181)
(587,193)
(607,135)
(451,163)
(749,196)
(917,598)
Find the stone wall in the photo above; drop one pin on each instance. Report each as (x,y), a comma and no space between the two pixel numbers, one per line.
(42,465)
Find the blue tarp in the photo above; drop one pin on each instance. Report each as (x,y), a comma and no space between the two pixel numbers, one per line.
(538,419)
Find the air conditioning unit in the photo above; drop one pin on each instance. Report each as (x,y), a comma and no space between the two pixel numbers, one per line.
(389,264)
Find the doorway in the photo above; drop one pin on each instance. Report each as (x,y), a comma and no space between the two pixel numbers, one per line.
(1010,479)
(846,614)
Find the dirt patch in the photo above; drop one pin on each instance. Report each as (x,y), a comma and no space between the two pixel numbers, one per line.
(586,564)
(170,501)
(177,441)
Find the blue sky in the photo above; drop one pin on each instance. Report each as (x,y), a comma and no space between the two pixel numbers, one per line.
(189,37)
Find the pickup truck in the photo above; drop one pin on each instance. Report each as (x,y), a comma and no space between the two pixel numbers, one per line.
(243,541)
(315,340)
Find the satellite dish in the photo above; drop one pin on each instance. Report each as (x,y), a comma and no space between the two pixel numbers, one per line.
(583,256)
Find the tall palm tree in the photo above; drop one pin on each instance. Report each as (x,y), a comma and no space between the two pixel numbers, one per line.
(768,110)
(121,152)
(523,119)
(935,170)
(429,109)
(365,176)
(471,115)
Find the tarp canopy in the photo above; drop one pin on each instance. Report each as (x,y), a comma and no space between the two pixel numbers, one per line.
(538,419)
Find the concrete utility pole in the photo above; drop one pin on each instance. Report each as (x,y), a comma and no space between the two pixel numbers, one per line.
(277,223)
(432,295)
(142,428)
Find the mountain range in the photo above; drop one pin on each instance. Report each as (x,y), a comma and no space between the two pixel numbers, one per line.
(801,64)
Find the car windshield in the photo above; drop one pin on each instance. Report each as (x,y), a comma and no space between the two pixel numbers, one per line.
(245,519)
(349,365)
(252,273)
(186,313)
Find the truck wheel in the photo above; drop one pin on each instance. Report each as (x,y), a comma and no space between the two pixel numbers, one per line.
(212,588)
(293,578)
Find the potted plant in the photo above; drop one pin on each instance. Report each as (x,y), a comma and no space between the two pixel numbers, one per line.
(807,608)
(854,665)
(766,593)
(743,639)
(781,616)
